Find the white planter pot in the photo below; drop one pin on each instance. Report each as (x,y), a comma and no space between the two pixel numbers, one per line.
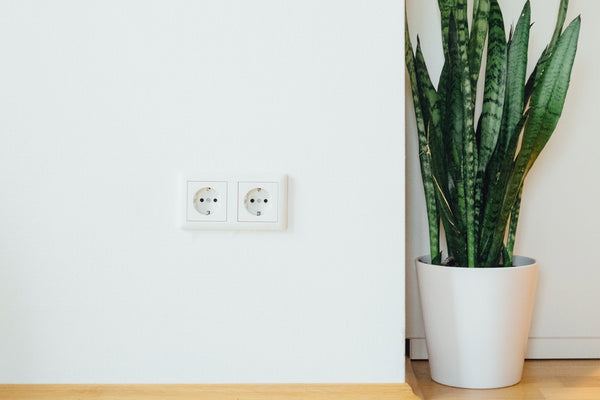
(477,321)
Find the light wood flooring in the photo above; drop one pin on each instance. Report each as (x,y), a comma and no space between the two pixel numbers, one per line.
(542,380)
(394,391)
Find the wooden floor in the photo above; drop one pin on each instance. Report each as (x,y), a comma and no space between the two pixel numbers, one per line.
(546,380)
(394,391)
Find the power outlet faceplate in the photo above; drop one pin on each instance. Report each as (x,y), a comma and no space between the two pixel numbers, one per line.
(234,203)
(205,201)
(258,202)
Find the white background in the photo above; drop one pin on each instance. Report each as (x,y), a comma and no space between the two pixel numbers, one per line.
(103,103)
(558,224)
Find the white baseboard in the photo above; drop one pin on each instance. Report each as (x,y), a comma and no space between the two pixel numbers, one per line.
(537,348)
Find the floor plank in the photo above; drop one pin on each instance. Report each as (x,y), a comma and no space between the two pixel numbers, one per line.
(400,391)
(542,380)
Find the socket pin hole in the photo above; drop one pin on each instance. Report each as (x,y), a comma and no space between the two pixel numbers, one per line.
(251,200)
(214,200)
(201,200)
(266,200)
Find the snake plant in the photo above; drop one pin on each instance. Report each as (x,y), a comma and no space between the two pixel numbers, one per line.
(473,165)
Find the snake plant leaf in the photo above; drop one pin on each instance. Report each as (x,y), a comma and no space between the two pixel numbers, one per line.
(495,79)
(556,79)
(560,21)
(430,104)
(514,91)
(512,230)
(538,71)
(458,93)
(498,175)
(450,179)
(424,156)
(427,93)
(547,101)
(453,120)
(446,7)
(469,165)
(502,158)
(432,117)
(517,65)
(506,256)
(546,106)
(493,103)
(479,32)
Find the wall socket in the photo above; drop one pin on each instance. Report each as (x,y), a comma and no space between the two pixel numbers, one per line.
(222,202)
(205,201)
(258,201)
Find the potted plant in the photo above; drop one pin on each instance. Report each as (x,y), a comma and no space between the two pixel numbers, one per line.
(477,297)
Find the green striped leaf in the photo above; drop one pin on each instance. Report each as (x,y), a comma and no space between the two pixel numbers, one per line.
(496,182)
(546,106)
(424,156)
(493,104)
(548,99)
(469,164)
(517,65)
(495,84)
(538,72)
(512,230)
(503,155)
(479,32)
(455,120)
(450,178)
(446,7)
(430,104)
(560,22)
(427,93)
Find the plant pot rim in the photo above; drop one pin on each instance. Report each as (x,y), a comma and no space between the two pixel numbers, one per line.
(518,261)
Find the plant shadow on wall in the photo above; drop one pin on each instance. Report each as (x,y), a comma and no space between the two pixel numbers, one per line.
(473,167)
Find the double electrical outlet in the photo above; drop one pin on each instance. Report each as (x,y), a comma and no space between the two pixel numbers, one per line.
(234,203)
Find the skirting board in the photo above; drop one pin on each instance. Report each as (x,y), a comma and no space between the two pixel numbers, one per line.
(537,348)
(395,391)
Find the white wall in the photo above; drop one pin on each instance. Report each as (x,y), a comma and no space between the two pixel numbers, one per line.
(558,224)
(103,103)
